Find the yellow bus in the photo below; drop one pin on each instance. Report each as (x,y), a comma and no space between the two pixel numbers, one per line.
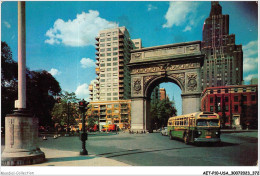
(195,127)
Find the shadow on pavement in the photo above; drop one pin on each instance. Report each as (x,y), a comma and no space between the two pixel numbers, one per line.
(137,151)
(221,144)
(73,158)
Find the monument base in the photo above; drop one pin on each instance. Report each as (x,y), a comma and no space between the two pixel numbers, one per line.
(21,140)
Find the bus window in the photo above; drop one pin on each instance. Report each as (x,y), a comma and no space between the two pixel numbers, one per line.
(213,122)
(207,122)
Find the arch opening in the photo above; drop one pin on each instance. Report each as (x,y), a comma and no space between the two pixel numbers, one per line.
(162,94)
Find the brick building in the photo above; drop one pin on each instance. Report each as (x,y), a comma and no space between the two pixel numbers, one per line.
(239,103)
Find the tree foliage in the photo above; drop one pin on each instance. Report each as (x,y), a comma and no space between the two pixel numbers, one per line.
(161,112)
(9,84)
(62,109)
(41,88)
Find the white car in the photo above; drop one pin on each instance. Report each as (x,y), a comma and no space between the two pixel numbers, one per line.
(164,131)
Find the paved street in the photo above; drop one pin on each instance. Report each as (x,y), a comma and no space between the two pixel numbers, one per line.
(237,149)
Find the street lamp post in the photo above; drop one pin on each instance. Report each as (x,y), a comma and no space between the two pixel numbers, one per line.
(83,136)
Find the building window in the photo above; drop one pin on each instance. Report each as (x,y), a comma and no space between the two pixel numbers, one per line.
(235,98)
(219,90)
(108,59)
(108,39)
(252,97)
(226,109)
(114,38)
(108,64)
(102,35)
(102,40)
(211,100)
(114,63)
(108,49)
(108,54)
(211,108)
(211,91)
(116,105)
(108,69)
(114,58)
(244,98)
(236,108)
(244,89)
(226,90)
(226,99)
(114,53)
(235,90)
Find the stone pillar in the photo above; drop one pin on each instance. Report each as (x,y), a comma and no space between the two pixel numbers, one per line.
(138,114)
(190,103)
(21,128)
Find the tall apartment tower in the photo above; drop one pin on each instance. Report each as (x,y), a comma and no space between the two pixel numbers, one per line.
(223,64)
(113,53)
(93,91)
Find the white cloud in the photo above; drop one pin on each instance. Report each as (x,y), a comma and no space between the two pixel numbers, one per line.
(151,7)
(82,92)
(250,57)
(180,13)
(7,24)
(78,32)
(187,28)
(250,49)
(249,77)
(87,62)
(54,72)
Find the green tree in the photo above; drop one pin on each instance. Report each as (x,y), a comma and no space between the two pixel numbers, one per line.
(91,122)
(161,112)
(60,110)
(42,88)
(9,81)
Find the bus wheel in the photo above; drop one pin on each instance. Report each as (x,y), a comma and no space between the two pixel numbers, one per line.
(170,134)
(186,138)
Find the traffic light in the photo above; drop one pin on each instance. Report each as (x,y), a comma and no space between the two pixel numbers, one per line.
(83,105)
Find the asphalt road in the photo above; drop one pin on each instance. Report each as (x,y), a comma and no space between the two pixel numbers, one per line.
(156,150)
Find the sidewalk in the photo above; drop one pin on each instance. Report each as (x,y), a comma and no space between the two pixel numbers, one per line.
(69,158)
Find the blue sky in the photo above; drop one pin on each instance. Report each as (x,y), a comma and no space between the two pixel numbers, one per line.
(61,35)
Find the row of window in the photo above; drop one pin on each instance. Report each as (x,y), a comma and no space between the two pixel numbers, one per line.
(253,89)
(235,109)
(244,98)
(109,49)
(109,64)
(109,59)
(109,75)
(108,34)
(182,122)
(108,98)
(108,54)
(109,94)
(108,39)
(108,44)
(110,69)
(109,85)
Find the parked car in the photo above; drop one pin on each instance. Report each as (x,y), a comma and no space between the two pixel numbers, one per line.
(164,131)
